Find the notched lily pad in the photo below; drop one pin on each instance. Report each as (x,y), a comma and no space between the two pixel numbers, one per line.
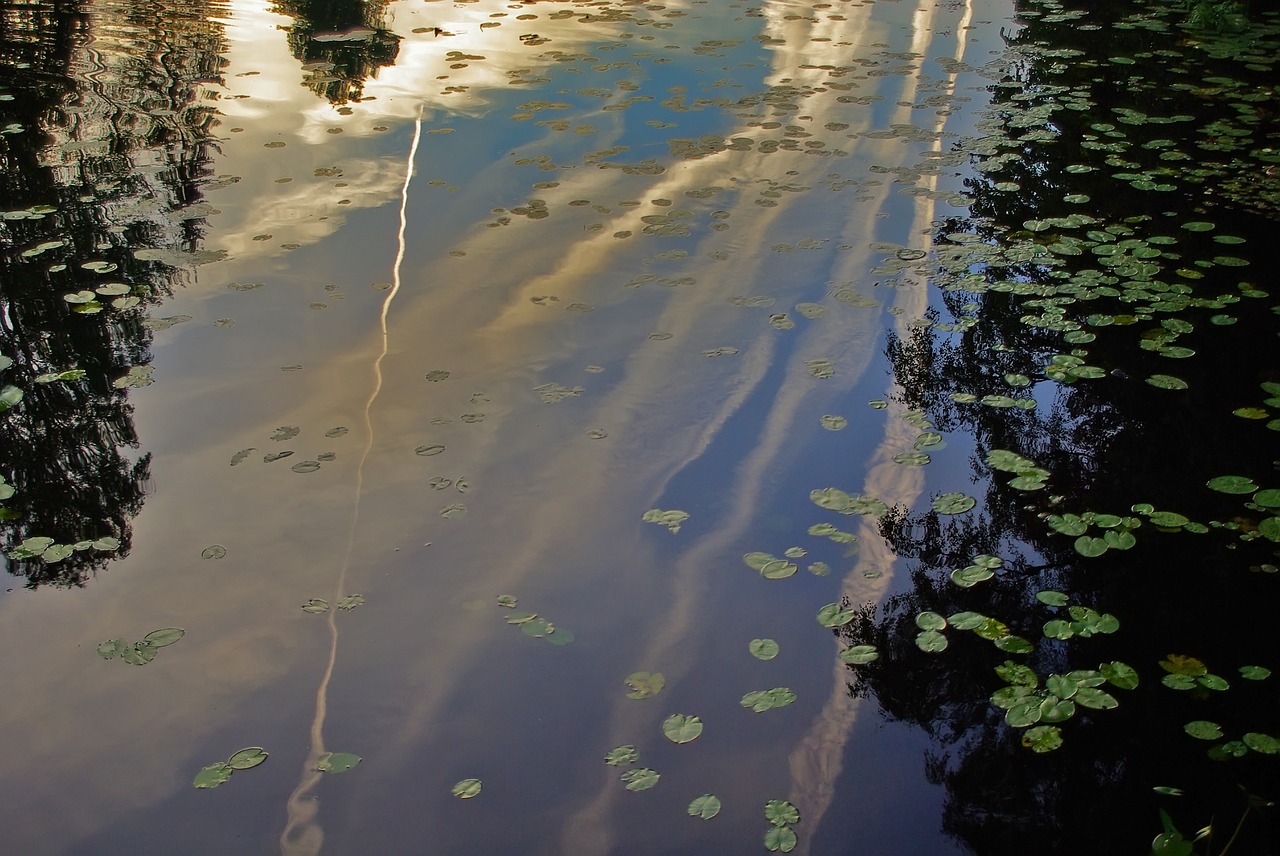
(645,684)
(681,728)
(467,789)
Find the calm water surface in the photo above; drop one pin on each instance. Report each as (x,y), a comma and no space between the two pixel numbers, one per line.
(498,280)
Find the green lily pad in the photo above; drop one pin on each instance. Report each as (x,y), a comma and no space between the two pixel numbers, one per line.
(315,605)
(780,839)
(248,758)
(350,602)
(1095,698)
(761,700)
(164,637)
(763,649)
(212,776)
(1203,730)
(1119,674)
(953,503)
(1252,673)
(336,762)
(645,684)
(706,806)
(1042,738)
(1052,598)
(467,788)
(1091,547)
(970,576)
(1269,498)
(930,621)
(140,654)
(1232,484)
(781,813)
(1164,381)
(640,779)
(931,641)
(859,655)
(834,423)
(621,756)
(671,519)
(835,615)
(217,551)
(1262,743)
(680,728)
(113,648)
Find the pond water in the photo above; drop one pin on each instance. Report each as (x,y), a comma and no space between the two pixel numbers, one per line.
(597,427)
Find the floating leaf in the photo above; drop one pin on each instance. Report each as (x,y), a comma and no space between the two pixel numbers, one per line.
(835,615)
(860,655)
(429,451)
(112,648)
(645,684)
(212,776)
(931,641)
(641,779)
(1255,673)
(763,649)
(507,601)
(1042,738)
(762,700)
(1203,730)
(164,637)
(680,728)
(1163,381)
(1052,598)
(467,788)
(820,368)
(217,551)
(1119,674)
(953,503)
(1263,743)
(315,605)
(780,839)
(621,756)
(247,759)
(706,806)
(670,519)
(1090,547)
(1095,698)
(1232,484)
(351,601)
(781,813)
(336,762)
(930,621)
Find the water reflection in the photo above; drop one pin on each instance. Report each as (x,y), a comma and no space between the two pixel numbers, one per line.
(107,140)
(341,43)
(1107,442)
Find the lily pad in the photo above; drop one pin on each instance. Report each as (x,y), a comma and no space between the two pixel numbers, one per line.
(467,789)
(645,684)
(1232,484)
(953,503)
(706,806)
(315,605)
(1042,738)
(835,615)
(680,728)
(351,601)
(781,813)
(336,762)
(763,649)
(780,839)
(640,779)
(621,756)
(217,551)
(212,776)
(859,655)
(248,758)
(931,641)
(671,519)
(164,637)
(1203,730)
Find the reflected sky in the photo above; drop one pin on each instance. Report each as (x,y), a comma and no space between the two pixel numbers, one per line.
(648,342)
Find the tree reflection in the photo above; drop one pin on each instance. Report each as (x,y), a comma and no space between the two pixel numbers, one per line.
(106,139)
(340,44)
(1108,441)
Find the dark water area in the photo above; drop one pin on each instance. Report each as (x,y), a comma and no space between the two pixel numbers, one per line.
(620,428)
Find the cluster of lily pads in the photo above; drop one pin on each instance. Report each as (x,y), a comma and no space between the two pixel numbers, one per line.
(537,627)
(142,652)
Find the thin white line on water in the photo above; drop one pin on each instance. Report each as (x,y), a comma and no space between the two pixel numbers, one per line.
(303,835)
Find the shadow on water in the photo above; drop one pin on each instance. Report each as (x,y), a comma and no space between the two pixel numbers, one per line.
(1090,646)
(105,146)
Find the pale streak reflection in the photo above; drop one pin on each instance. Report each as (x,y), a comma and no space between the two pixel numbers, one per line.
(818,761)
(472,313)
